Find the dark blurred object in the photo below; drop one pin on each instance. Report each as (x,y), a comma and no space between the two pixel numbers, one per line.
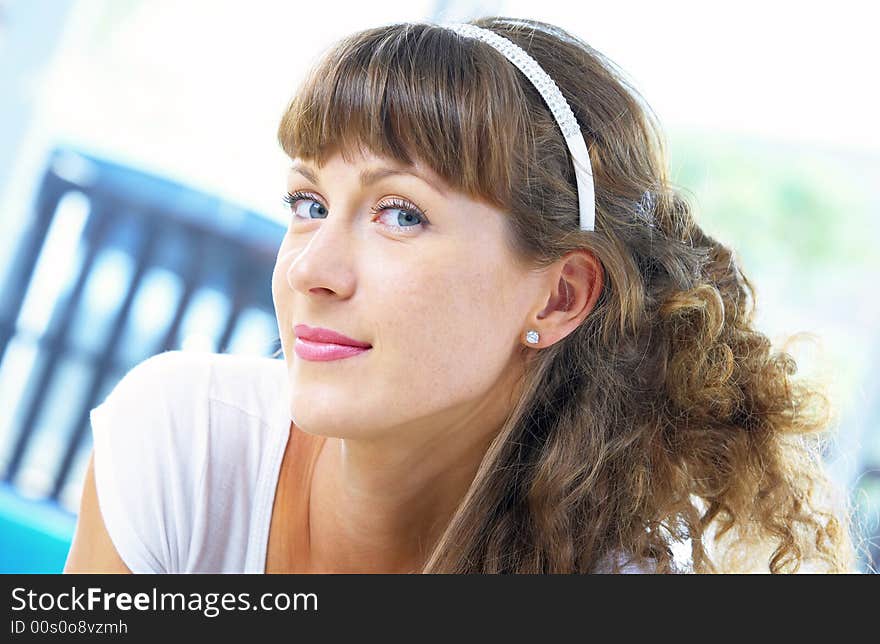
(160,227)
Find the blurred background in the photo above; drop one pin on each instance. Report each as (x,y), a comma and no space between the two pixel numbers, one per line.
(141,184)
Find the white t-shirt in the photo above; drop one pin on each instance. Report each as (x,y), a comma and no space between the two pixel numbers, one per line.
(188,450)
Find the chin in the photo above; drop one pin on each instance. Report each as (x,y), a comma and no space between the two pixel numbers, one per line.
(320,423)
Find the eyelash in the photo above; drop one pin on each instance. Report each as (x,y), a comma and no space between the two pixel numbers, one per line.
(292,197)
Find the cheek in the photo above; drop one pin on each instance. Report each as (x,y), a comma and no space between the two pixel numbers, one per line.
(276,286)
(277,279)
(449,333)
(280,296)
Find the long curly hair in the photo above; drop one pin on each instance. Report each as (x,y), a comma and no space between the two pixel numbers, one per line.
(665,420)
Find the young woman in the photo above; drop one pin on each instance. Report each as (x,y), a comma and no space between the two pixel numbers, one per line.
(500,354)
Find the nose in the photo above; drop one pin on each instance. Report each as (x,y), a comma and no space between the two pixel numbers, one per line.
(324,264)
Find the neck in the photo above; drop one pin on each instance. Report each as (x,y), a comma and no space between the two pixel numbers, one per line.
(381,508)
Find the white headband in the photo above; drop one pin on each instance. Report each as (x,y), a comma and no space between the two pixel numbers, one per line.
(558,105)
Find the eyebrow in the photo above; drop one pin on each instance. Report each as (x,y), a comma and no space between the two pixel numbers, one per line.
(367,176)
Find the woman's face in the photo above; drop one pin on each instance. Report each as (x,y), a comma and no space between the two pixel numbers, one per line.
(420,273)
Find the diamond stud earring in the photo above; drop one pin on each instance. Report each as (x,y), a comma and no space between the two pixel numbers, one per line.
(532,337)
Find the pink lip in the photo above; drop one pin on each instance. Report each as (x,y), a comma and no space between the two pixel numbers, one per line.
(319,344)
(318,334)
(323,351)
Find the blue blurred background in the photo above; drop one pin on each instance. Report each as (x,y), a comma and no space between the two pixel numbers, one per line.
(141,184)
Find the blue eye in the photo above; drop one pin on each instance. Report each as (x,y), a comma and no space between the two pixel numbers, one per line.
(407,212)
(292,199)
(409,216)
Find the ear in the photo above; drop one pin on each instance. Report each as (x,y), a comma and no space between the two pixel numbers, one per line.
(573,287)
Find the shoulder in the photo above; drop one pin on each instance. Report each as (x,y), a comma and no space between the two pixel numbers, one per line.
(179,387)
(154,410)
(162,394)
(176,429)
(166,380)
(145,443)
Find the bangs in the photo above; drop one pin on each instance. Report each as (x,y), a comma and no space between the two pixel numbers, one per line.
(413,94)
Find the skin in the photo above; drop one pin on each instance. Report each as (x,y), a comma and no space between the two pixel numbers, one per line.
(446,308)
(92,550)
